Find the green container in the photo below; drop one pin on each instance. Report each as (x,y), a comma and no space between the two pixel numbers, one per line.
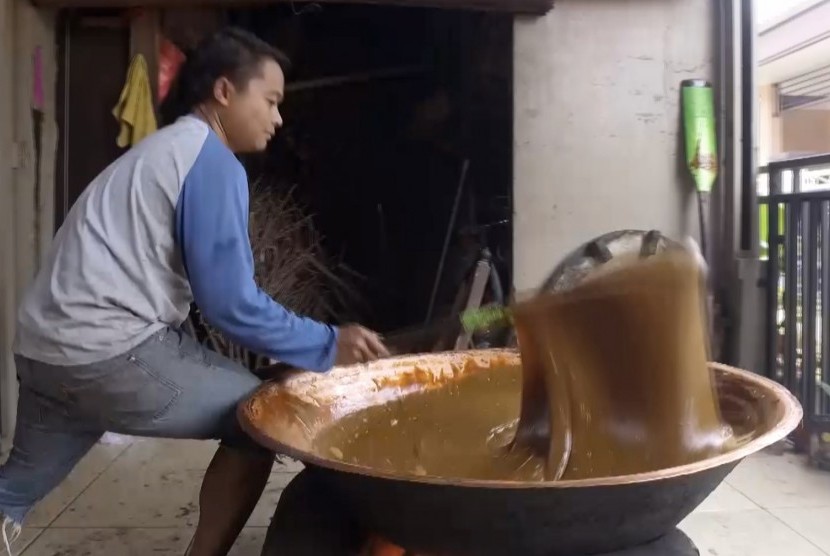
(486,318)
(698,101)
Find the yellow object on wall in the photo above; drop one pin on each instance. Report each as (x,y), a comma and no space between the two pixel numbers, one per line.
(135,110)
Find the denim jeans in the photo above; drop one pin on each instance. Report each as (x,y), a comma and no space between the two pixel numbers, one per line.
(170,386)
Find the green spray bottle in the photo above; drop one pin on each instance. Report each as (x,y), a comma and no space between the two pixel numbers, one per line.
(699,126)
(698,102)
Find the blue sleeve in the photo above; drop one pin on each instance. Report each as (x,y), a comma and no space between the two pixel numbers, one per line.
(212,232)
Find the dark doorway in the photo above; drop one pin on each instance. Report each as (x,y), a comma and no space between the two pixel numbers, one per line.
(92,64)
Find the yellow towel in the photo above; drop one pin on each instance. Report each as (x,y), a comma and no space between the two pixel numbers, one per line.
(135,109)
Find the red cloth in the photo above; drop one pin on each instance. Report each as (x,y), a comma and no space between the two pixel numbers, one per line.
(170,60)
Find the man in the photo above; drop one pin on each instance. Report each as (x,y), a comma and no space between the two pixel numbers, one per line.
(98,346)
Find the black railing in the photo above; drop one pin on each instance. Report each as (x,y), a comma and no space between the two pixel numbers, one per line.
(795,237)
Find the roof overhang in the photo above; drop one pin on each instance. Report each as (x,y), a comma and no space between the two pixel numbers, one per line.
(528,7)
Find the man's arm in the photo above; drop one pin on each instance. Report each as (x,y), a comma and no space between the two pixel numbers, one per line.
(212,229)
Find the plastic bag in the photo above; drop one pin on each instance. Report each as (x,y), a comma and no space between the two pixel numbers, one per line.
(170,60)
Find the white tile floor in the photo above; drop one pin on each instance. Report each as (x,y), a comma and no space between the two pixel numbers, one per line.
(139,498)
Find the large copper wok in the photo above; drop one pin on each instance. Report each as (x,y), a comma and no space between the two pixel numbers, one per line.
(436,515)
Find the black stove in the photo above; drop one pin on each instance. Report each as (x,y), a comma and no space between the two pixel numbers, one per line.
(675,543)
(309,522)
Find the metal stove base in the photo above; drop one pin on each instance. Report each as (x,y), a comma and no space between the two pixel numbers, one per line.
(675,543)
(309,522)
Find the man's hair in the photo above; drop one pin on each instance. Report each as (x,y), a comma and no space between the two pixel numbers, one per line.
(232,53)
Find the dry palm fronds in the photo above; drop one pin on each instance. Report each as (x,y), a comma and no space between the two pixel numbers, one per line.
(290,265)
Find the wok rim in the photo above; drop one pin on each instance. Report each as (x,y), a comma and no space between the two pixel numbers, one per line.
(793,414)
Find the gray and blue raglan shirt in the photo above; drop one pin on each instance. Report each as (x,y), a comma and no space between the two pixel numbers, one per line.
(162,226)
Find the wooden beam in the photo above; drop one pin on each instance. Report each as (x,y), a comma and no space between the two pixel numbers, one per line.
(528,7)
(145,26)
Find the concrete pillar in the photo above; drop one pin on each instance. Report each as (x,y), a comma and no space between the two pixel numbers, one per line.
(34,214)
(7,206)
(769,125)
(597,123)
(25,227)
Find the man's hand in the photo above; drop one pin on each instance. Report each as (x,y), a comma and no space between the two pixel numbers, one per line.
(356,344)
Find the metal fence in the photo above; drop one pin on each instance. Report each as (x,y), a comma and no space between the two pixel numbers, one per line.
(794,221)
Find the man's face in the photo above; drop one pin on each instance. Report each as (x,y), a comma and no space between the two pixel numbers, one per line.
(251,116)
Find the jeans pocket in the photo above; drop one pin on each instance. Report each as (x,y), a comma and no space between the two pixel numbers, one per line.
(159,393)
(122,394)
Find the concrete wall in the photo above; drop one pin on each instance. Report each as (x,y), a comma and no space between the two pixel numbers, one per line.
(769,125)
(25,229)
(597,126)
(806,130)
(800,131)
(7,272)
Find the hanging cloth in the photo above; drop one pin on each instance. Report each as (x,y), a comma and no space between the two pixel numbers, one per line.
(135,111)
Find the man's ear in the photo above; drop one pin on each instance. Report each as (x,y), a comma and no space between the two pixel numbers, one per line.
(223,89)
